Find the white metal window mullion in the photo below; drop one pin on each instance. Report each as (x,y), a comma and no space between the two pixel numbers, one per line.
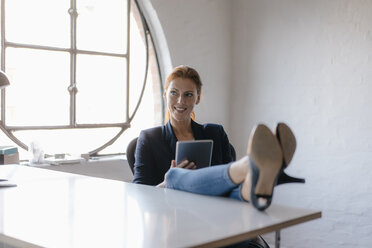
(128,61)
(3,57)
(72,88)
(145,34)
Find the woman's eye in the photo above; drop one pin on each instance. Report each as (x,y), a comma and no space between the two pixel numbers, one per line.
(189,94)
(173,93)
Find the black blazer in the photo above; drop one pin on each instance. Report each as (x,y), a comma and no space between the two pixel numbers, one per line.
(156,149)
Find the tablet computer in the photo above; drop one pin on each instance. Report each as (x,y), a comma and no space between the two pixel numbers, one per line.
(197,151)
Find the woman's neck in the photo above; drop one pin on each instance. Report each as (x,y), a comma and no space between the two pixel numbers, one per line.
(182,129)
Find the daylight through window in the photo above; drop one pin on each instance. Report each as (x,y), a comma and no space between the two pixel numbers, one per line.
(84,75)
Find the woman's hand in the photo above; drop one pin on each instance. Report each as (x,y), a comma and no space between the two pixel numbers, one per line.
(184,164)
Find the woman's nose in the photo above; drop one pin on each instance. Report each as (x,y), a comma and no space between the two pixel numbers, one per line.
(180,99)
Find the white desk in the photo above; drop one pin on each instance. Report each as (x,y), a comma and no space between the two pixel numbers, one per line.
(56,209)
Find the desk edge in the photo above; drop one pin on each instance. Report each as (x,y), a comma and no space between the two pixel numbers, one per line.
(273,228)
(16,242)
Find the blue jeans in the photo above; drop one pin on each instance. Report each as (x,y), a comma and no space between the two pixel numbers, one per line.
(213,180)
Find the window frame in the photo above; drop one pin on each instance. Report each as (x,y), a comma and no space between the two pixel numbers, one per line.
(72,88)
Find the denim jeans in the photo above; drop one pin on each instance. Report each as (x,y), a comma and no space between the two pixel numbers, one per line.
(213,180)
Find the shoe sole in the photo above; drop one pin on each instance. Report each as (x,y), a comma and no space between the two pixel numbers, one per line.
(287,142)
(266,155)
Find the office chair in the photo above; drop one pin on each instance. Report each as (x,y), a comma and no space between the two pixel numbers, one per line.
(233,153)
(131,150)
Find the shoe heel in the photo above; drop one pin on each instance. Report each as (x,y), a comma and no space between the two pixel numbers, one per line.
(266,162)
(285,178)
(287,142)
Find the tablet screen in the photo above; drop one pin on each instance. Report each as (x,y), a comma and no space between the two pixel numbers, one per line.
(197,151)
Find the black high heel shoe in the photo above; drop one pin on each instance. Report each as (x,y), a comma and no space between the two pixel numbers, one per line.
(265,159)
(287,142)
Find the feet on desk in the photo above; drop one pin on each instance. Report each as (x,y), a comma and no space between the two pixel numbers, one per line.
(265,160)
(268,155)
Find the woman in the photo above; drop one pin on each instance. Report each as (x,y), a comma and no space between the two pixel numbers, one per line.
(251,178)
(156,147)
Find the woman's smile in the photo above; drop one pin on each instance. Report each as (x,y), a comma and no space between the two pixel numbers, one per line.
(181,112)
(180,109)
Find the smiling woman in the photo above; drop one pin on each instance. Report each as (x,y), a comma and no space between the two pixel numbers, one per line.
(84,75)
(155,151)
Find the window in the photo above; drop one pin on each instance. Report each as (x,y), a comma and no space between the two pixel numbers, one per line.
(84,75)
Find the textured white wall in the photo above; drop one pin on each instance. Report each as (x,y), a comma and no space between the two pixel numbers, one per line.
(198,35)
(308,63)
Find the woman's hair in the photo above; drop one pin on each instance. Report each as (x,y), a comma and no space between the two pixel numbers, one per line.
(184,72)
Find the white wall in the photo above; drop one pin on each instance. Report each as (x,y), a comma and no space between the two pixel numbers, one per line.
(198,34)
(308,63)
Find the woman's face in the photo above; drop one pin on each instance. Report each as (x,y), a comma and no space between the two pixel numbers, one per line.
(181,97)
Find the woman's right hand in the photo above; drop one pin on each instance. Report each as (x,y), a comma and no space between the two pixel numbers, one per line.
(184,164)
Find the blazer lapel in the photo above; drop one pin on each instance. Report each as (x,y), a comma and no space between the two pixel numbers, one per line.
(170,138)
(197,129)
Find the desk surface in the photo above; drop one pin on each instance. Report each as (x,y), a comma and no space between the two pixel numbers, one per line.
(56,209)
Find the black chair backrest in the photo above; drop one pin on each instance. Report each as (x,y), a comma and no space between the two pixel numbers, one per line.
(233,153)
(131,149)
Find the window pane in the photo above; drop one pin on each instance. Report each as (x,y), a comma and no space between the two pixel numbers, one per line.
(102,25)
(38,93)
(149,113)
(101,96)
(41,22)
(143,119)
(137,62)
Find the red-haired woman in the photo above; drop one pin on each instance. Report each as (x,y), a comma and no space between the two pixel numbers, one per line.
(156,147)
(252,178)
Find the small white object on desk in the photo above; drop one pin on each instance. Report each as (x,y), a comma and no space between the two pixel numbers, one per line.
(37,153)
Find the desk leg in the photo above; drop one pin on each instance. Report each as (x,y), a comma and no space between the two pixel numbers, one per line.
(277,239)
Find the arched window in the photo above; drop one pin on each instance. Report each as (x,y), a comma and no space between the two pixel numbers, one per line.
(84,75)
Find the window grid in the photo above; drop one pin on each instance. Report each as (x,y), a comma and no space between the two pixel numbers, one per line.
(72,88)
